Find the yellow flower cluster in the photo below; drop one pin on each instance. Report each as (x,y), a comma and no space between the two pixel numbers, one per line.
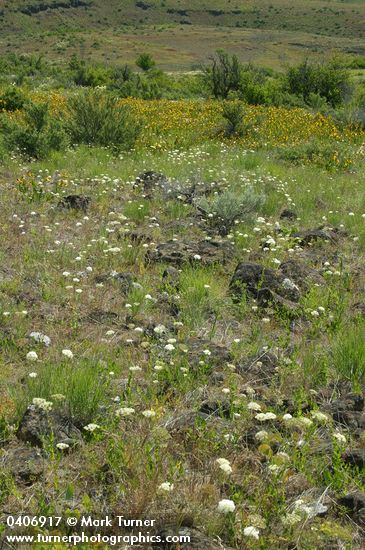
(173,124)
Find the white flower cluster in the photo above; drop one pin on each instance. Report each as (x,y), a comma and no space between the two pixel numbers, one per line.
(43,404)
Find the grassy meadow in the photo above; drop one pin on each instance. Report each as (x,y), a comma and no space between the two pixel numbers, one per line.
(173,376)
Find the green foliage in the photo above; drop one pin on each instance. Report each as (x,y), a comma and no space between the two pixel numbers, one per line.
(12,99)
(223,75)
(348,354)
(330,81)
(226,208)
(145,62)
(96,118)
(325,154)
(37,135)
(77,390)
(233,113)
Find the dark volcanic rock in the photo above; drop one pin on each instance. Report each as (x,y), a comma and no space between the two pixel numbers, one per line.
(301,274)
(25,463)
(288,215)
(205,252)
(124,279)
(354,503)
(263,283)
(355,457)
(171,278)
(212,407)
(306,237)
(77,202)
(37,425)
(219,355)
(150,179)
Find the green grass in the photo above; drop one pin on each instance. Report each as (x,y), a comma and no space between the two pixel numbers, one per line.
(268,33)
(120,361)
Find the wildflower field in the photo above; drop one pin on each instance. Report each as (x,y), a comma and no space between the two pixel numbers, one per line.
(182,335)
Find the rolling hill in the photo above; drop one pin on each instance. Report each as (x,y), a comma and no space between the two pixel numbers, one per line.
(180,33)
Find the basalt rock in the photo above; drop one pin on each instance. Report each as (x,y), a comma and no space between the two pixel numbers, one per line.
(308,236)
(287,214)
(204,252)
(150,179)
(263,283)
(25,463)
(355,457)
(38,425)
(75,202)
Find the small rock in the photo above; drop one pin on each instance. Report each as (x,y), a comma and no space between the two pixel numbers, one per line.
(38,425)
(76,202)
(287,214)
(355,458)
(26,464)
(354,502)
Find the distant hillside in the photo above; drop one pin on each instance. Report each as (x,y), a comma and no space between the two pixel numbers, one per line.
(181,33)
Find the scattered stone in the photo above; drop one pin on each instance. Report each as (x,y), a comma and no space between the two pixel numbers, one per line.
(301,274)
(215,407)
(307,237)
(171,278)
(354,502)
(38,425)
(263,283)
(150,180)
(203,252)
(125,280)
(26,464)
(355,457)
(287,214)
(76,202)
(214,355)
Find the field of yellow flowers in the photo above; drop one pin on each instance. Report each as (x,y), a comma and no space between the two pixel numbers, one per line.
(181,123)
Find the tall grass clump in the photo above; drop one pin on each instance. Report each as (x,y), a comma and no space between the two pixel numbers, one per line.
(76,390)
(348,354)
(96,118)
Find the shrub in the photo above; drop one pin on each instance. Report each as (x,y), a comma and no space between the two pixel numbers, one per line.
(223,75)
(233,112)
(225,209)
(87,75)
(145,61)
(37,135)
(330,81)
(96,118)
(12,99)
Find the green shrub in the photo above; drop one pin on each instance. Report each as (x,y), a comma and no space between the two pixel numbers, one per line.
(223,75)
(225,209)
(37,135)
(96,118)
(12,99)
(145,61)
(233,113)
(330,81)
